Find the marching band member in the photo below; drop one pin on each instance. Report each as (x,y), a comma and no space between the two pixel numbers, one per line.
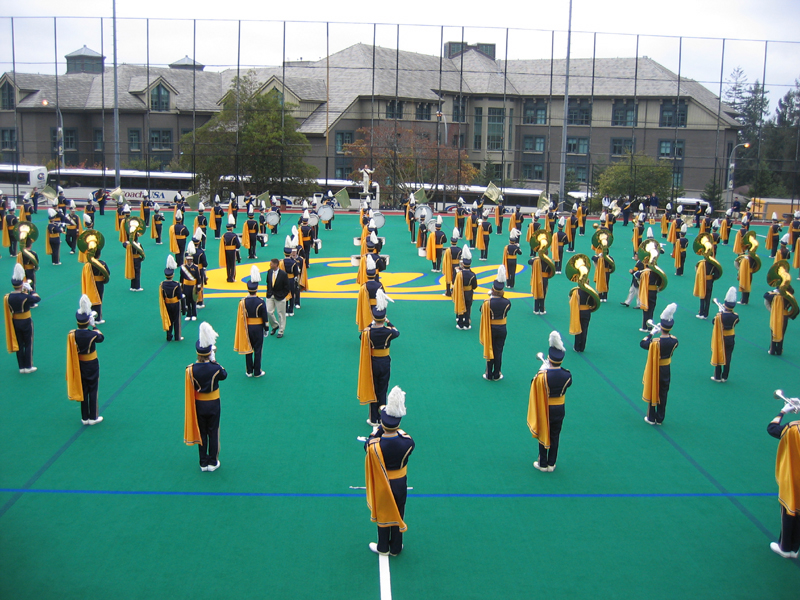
(450,259)
(134,255)
(83,368)
(649,284)
(306,238)
(73,222)
(546,404)
(146,207)
(252,325)
(517,218)
(725,227)
(17,317)
(783,252)
(723,337)
(665,220)
(262,224)
(180,204)
(201,222)
(330,201)
(581,304)
(94,276)
(411,219)
(229,250)
(250,234)
(603,263)
(626,210)
(550,218)
(698,215)
(472,222)
(375,364)
(558,241)
(541,272)
(788,478)
(29,260)
(656,378)
(493,330)
(705,274)
(779,312)
(202,406)
(290,266)
(638,231)
(499,212)
(387,451)
(170,295)
(119,217)
(53,236)
(190,283)
(461,215)
(737,241)
(302,261)
(705,222)
(248,201)
(435,246)
(367,293)
(277,290)
(510,253)
(773,234)
(572,229)
(157,225)
(746,267)
(201,261)
(216,217)
(178,232)
(464,285)
(795,231)
(581,214)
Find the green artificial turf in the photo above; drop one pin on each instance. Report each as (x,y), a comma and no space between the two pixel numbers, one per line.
(121,510)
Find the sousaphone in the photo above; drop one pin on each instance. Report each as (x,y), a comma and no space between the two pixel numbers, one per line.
(134,227)
(24,231)
(91,241)
(648,252)
(577,270)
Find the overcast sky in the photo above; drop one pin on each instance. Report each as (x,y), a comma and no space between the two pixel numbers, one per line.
(660,25)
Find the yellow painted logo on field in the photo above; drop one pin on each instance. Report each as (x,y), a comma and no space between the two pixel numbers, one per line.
(336,278)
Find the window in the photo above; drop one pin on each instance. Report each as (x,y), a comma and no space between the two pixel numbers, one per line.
(538,143)
(159,98)
(478,129)
(527,143)
(394,109)
(510,129)
(672,115)
(478,167)
(620,146)
(494,129)
(579,113)
(423,111)
(70,140)
(578,145)
(7,97)
(342,138)
(677,178)
(497,172)
(532,171)
(460,110)
(534,113)
(458,140)
(135,140)
(623,114)
(8,140)
(671,148)
(342,173)
(97,138)
(161,139)
(577,172)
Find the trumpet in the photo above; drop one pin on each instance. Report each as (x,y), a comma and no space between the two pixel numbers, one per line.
(794,403)
(545,361)
(654,327)
(720,305)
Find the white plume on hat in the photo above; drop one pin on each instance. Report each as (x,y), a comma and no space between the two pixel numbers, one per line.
(649,233)
(295,241)
(373,238)
(305,215)
(178,214)
(708,210)
(87,219)
(199,233)
(680,208)
(371,266)
(455,233)
(396,403)
(51,212)
(730,297)
(514,233)
(263,205)
(255,274)
(715,224)
(305,204)
(12,205)
(190,249)
(669,312)
(145,194)
(556,341)
(501,274)
(171,264)
(371,224)
(231,220)
(797,214)
(85,305)
(575,206)
(201,206)
(475,204)
(669,205)
(774,216)
(216,198)
(287,243)
(749,205)
(729,212)
(641,206)
(785,238)
(745,220)
(562,221)
(208,337)
(232,196)
(466,253)
(19,273)
(438,219)
(641,216)
(382,300)
(59,189)
(178,197)
(71,204)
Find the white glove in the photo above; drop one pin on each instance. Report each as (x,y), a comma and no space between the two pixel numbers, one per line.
(26,287)
(787,408)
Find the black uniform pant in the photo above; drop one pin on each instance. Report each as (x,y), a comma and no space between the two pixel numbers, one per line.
(647,315)
(474,237)
(90,378)
(626,215)
(681,264)
(493,366)
(538,303)
(381,369)
(253,360)
(174,312)
(500,227)
(98,308)
(390,539)
(745,298)
(251,252)
(181,251)
(776,348)
(71,239)
(656,413)
(580,339)
(464,320)
(485,251)
(147,217)
(24,330)
(102,205)
(55,247)
(437,264)
(582,228)
(705,301)
(413,229)
(159,227)
(12,247)
(30,275)
(230,265)
(722,371)
(208,422)
(511,276)
(217,230)
(790,531)
(136,282)
(292,299)
(307,251)
(548,456)
(190,304)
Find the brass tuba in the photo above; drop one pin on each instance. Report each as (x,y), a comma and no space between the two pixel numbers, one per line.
(134,227)
(577,270)
(648,252)
(27,231)
(540,242)
(750,246)
(779,277)
(704,246)
(604,239)
(91,242)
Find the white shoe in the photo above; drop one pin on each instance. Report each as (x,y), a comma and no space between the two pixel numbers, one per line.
(95,421)
(537,466)
(261,374)
(716,380)
(544,312)
(248,374)
(31,370)
(187,318)
(139,289)
(100,322)
(85,421)
(486,377)
(551,468)
(644,330)
(213,467)
(374,547)
(23,370)
(194,318)
(648,421)
(204,469)
(776,548)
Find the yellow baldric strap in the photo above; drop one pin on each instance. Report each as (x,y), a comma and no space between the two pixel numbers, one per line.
(22,315)
(663,362)
(397,473)
(379,352)
(207,395)
(171,300)
(557,401)
(255,321)
(87,357)
(497,322)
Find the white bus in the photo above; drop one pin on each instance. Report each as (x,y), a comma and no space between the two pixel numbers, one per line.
(79,183)
(18,180)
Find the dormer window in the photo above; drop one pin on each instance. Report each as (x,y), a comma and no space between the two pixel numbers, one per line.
(7,97)
(159,99)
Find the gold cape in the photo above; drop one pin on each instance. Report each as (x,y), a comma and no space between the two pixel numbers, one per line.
(191,430)
(366,385)
(717,343)
(539,409)
(787,468)
(241,341)
(74,383)
(574,312)
(380,500)
(485,336)
(651,373)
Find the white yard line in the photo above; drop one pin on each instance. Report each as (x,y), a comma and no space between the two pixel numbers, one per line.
(386,578)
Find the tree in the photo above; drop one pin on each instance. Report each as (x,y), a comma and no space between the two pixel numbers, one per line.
(254,139)
(637,175)
(782,140)
(712,194)
(405,157)
(736,89)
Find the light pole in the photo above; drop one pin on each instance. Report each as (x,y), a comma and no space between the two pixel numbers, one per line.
(731,167)
(59,134)
(441,115)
